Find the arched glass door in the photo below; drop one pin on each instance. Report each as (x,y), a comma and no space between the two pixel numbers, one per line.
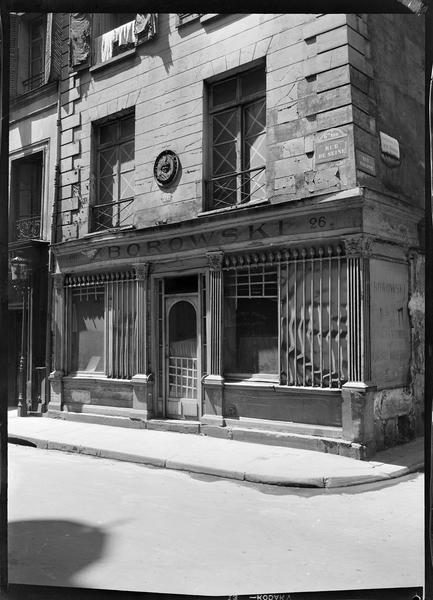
(182,359)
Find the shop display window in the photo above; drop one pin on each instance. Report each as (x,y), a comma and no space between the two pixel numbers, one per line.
(251,323)
(103,326)
(88,330)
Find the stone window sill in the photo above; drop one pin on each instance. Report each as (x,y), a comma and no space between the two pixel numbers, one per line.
(237,207)
(114,59)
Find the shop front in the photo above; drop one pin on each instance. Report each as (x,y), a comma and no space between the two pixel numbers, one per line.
(261,324)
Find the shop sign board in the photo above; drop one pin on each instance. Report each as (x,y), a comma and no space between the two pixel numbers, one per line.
(259,233)
(389,323)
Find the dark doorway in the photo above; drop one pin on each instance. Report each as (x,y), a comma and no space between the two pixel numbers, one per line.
(14,343)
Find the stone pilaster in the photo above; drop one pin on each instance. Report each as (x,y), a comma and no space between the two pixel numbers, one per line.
(358,392)
(213,382)
(358,307)
(142,381)
(358,415)
(59,342)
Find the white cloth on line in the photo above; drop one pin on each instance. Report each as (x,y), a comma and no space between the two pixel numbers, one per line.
(107,41)
(125,33)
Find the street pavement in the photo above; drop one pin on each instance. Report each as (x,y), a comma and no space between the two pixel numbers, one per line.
(231,459)
(82,521)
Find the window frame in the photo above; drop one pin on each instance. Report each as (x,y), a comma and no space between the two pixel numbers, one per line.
(245,376)
(37,21)
(91,290)
(117,51)
(35,154)
(96,162)
(239,105)
(314,322)
(119,352)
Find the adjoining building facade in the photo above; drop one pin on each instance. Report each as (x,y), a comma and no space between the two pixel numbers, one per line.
(239,219)
(35,44)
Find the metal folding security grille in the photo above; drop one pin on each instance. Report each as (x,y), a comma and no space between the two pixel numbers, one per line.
(182,377)
(312,288)
(122,323)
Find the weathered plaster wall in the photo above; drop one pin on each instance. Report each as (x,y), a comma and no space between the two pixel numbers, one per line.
(399,412)
(33,127)
(417,320)
(312,62)
(395,51)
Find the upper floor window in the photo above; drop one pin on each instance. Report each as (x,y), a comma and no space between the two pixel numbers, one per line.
(115,153)
(96,38)
(187,17)
(113,34)
(237,126)
(25,197)
(35,50)
(36,53)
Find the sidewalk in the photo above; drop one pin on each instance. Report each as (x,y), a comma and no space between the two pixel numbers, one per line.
(213,456)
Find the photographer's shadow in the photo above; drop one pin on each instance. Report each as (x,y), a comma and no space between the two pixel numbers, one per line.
(51,552)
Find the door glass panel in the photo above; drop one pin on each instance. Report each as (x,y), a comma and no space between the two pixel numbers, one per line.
(182,366)
(183,330)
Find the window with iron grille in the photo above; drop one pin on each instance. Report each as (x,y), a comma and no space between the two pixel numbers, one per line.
(25,198)
(251,321)
(115,154)
(237,126)
(103,324)
(286,316)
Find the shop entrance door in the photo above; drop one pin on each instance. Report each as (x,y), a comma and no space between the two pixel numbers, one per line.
(182,357)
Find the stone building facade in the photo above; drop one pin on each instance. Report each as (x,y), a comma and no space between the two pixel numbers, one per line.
(239,226)
(35,60)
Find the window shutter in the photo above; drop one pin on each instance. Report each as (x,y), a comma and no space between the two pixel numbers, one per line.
(13,54)
(56,46)
(80,25)
(146,26)
(48,40)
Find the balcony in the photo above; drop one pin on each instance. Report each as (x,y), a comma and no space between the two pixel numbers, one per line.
(112,215)
(27,228)
(236,189)
(33,82)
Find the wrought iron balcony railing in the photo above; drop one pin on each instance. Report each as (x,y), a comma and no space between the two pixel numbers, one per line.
(111,215)
(33,82)
(28,228)
(236,188)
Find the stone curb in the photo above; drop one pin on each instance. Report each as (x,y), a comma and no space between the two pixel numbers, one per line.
(255,477)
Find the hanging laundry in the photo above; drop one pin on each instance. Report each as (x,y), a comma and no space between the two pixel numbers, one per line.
(125,34)
(107,41)
(146,25)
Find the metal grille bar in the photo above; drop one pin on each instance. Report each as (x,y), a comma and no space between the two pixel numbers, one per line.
(317,336)
(111,215)
(236,188)
(313,313)
(182,377)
